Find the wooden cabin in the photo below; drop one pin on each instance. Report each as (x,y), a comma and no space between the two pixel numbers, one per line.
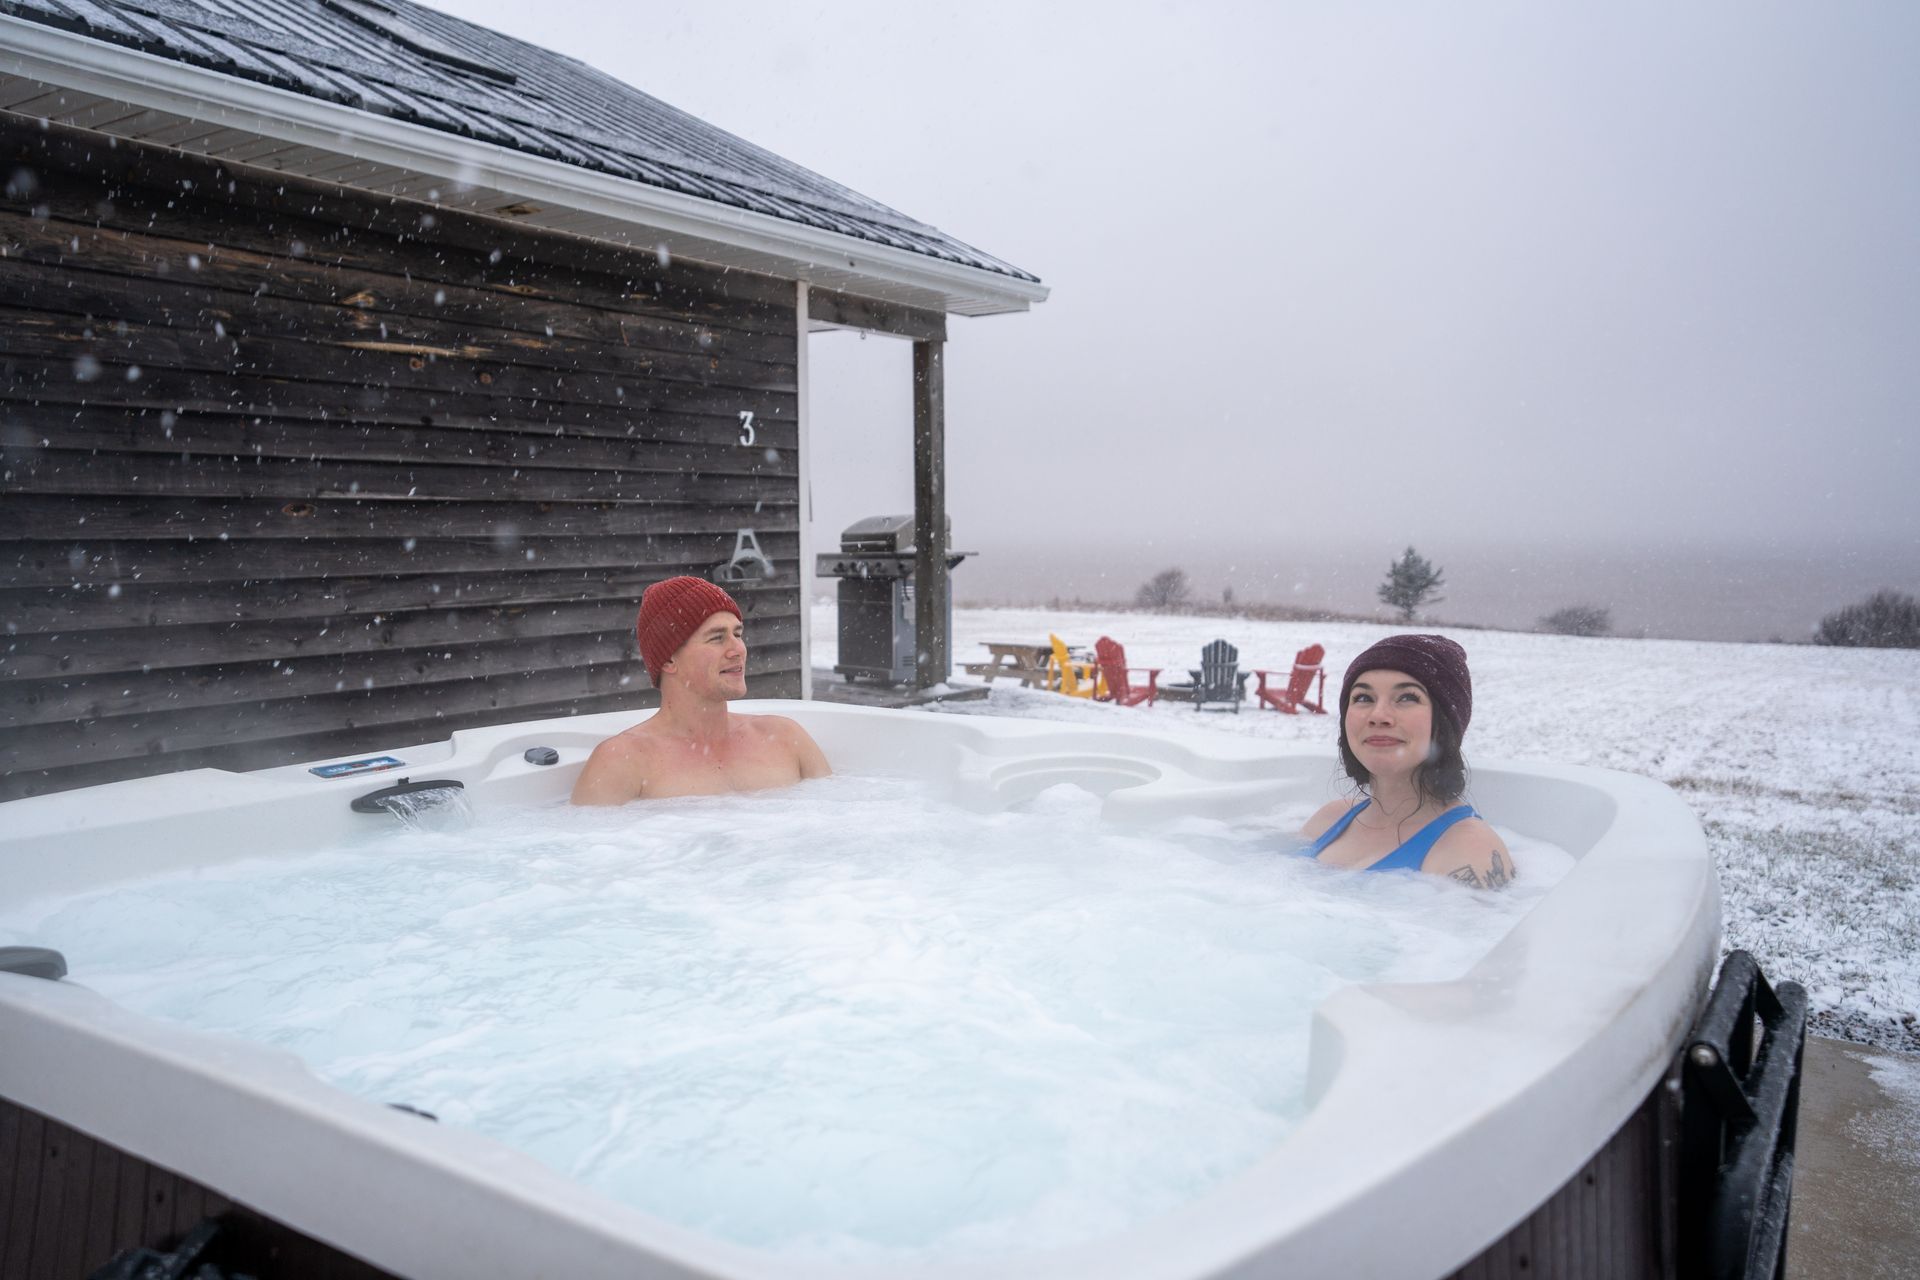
(363,365)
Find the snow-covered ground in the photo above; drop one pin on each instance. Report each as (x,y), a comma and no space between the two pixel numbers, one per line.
(1803,764)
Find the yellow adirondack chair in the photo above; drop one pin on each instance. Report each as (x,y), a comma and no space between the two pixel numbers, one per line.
(1074,678)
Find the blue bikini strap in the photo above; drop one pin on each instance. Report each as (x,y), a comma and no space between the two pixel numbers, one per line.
(1415,850)
(1332,833)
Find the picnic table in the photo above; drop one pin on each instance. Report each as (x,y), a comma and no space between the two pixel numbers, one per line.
(1030,664)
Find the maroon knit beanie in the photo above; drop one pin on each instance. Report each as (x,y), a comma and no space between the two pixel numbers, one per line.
(672,611)
(1434,661)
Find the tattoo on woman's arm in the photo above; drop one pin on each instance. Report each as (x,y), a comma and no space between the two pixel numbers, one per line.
(1465,875)
(1500,874)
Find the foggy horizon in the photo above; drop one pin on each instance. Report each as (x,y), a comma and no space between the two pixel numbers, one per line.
(1733,594)
(1500,284)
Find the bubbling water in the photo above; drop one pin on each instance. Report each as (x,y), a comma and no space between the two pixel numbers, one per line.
(845,1020)
(434,809)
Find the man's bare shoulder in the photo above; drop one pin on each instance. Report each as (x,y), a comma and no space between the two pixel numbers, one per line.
(634,742)
(773,726)
(792,736)
(615,772)
(645,736)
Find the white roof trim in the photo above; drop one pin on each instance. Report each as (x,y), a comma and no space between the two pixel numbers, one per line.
(698,229)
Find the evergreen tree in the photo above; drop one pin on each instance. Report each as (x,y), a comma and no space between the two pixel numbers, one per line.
(1411,582)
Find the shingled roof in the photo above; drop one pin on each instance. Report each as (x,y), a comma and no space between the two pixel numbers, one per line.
(413,64)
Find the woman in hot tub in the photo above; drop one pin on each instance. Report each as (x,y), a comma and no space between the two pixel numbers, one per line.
(1404,707)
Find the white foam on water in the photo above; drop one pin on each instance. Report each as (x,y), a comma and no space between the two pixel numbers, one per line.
(845,1020)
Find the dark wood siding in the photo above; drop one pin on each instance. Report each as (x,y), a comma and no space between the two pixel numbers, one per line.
(288,470)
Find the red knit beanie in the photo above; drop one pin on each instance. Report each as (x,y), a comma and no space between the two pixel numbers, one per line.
(1435,661)
(672,611)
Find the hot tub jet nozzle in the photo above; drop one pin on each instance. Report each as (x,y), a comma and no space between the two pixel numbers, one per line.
(33,962)
(382,801)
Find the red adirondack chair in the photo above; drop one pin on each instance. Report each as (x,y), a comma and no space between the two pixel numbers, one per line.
(1112,657)
(1293,699)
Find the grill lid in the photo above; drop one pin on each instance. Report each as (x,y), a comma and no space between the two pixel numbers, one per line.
(884,535)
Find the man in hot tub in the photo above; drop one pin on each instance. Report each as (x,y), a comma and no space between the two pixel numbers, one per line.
(693,643)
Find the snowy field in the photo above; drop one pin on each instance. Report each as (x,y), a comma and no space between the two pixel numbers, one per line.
(1801,762)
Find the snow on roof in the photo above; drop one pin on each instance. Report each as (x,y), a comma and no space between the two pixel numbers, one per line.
(414,64)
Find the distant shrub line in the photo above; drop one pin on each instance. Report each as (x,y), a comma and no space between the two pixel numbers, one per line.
(1255,611)
(1579,620)
(1886,619)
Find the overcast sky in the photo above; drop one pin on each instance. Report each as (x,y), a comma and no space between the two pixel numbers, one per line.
(1331,278)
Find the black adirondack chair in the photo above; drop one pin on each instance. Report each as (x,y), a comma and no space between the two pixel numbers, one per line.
(1218,679)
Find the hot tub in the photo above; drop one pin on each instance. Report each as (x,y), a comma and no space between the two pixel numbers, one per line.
(1442,1114)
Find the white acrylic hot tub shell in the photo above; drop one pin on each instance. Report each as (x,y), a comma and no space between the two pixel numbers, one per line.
(1443,1113)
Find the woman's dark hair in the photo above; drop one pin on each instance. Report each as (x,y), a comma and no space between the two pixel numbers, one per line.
(1441,778)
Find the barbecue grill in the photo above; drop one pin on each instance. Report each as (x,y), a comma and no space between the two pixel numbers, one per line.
(875,566)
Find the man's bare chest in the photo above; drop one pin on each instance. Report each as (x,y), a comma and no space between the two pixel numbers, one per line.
(695,770)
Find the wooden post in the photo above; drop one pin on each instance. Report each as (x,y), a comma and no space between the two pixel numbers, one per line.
(931,590)
(803,455)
